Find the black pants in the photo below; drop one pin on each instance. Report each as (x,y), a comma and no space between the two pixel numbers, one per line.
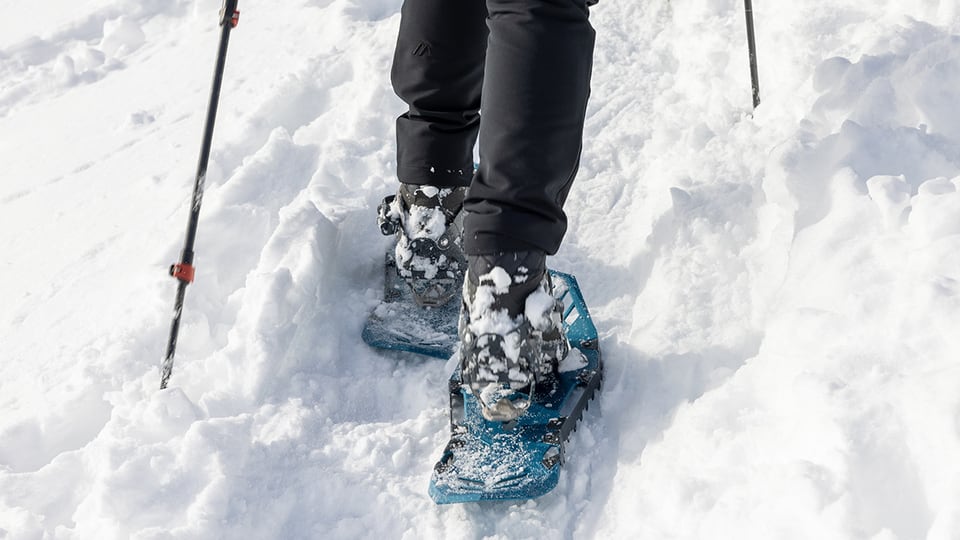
(527,65)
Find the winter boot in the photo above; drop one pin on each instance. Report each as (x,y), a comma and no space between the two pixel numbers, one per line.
(511,333)
(428,224)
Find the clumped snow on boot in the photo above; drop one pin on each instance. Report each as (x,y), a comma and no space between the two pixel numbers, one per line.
(428,224)
(510,332)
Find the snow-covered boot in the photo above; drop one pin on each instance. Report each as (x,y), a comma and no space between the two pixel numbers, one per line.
(511,337)
(428,224)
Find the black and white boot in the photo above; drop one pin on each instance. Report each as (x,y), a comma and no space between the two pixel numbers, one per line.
(510,331)
(428,224)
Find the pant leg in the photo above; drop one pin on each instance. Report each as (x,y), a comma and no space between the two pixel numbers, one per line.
(438,72)
(538,65)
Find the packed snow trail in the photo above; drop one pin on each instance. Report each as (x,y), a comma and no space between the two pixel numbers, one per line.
(774,291)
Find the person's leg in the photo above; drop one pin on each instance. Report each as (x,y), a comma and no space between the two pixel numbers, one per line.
(438,72)
(537,80)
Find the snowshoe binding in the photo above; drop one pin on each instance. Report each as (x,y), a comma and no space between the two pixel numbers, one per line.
(511,332)
(428,224)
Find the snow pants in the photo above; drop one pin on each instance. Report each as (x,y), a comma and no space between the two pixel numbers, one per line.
(526,64)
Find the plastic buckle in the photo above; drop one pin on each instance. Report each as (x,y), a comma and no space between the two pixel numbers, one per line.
(182,271)
(234,17)
(387,218)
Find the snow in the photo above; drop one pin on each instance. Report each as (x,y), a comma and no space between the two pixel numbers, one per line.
(776,291)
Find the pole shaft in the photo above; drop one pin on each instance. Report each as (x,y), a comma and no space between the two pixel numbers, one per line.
(186,257)
(752,47)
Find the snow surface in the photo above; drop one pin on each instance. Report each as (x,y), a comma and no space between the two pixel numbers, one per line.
(777,293)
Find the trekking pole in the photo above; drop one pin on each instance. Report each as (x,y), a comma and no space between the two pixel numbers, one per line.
(752,46)
(184,271)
